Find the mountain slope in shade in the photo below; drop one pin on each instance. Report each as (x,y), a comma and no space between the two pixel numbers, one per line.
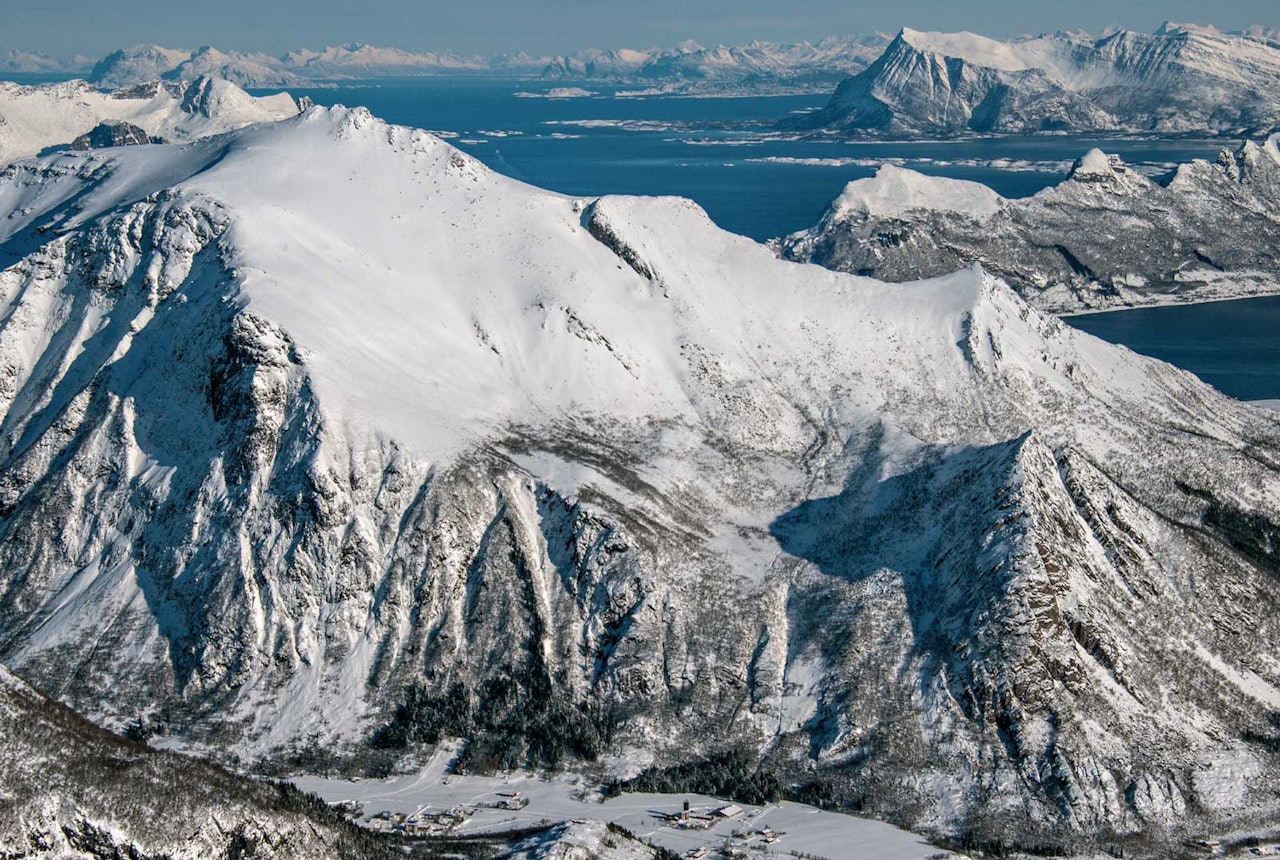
(38,117)
(320,432)
(1177,80)
(1107,237)
(71,790)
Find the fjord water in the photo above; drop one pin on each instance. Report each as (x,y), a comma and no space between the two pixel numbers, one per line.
(722,153)
(1234,346)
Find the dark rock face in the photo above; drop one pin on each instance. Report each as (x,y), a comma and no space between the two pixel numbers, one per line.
(108,134)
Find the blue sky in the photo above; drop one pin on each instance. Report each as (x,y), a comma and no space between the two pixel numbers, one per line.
(93,27)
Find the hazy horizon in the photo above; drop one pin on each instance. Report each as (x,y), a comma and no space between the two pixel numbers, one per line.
(557,26)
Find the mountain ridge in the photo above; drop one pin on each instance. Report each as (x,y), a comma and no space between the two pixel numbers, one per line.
(801,64)
(73,790)
(1173,81)
(1106,237)
(36,118)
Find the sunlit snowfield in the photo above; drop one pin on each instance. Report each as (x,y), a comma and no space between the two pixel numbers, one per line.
(722,153)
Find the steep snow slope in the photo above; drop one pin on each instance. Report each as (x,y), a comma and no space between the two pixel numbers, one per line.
(34,118)
(1172,81)
(71,790)
(303,416)
(1107,237)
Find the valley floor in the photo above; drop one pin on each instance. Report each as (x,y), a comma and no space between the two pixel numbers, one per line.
(795,829)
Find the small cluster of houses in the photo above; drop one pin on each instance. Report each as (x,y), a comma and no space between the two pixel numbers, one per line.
(687,819)
(427,822)
(422,822)
(507,800)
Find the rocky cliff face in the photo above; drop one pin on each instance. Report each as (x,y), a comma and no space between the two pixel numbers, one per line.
(320,432)
(69,789)
(1107,237)
(1177,80)
(108,134)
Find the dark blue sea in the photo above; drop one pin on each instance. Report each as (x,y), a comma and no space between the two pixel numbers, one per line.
(724,154)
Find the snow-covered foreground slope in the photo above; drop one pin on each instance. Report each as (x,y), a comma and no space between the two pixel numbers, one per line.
(1107,237)
(35,118)
(320,431)
(71,790)
(1176,80)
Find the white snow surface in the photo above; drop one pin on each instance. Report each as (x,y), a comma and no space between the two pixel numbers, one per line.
(896,191)
(493,305)
(35,117)
(981,50)
(803,830)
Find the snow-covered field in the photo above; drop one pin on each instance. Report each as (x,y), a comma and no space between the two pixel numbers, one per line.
(797,829)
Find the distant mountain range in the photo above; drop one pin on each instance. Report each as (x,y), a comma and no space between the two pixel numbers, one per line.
(1183,78)
(296,68)
(1179,79)
(34,119)
(806,65)
(26,62)
(691,66)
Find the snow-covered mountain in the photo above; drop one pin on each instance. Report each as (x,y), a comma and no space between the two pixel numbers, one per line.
(802,64)
(26,62)
(150,62)
(33,119)
(760,64)
(363,61)
(320,433)
(1106,237)
(71,790)
(1179,79)
(136,65)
